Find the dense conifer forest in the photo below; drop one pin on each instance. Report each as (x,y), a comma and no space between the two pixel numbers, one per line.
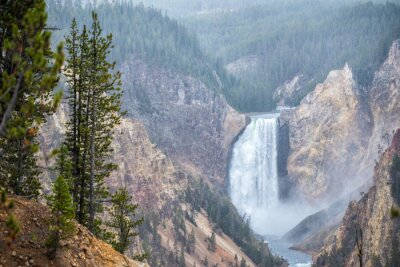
(281,35)
(152,36)
(307,38)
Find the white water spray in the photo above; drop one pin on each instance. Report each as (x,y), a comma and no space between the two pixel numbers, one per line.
(253,173)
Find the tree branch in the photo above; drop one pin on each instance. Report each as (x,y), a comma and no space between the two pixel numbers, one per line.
(10,106)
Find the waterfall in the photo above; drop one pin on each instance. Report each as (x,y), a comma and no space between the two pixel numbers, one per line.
(253,170)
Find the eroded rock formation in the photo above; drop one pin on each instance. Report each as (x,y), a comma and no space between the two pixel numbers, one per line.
(191,124)
(328,130)
(368,220)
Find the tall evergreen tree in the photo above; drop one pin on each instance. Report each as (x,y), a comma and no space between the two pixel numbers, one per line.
(19,172)
(28,74)
(27,77)
(62,225)
(73,74)
(122,213)
(94,100)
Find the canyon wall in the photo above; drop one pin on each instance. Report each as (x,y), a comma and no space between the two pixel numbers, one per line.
(369,221)
(338,129)
(190,123)
(329,130)
(154,182)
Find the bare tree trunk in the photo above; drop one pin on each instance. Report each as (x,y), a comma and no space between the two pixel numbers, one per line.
(92,134)
(92,161)
(84,162)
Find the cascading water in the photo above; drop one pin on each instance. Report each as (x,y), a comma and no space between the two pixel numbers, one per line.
(254,186)
(253,171)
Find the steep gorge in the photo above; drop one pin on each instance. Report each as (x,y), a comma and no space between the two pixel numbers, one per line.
(336,136)
(192,124)
(338,129)
(369,221)
(183,138)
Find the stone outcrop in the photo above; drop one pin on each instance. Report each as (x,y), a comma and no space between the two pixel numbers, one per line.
(191,124)
(371,216)
(155,182)
(143,168)
(289,91)
(328,130)
(147,172)
(29,248)
(338,129)
(384,100)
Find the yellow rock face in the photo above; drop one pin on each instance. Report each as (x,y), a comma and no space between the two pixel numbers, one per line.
(328,130)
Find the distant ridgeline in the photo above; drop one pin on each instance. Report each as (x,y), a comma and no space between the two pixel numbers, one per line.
(155,38)
(306,37)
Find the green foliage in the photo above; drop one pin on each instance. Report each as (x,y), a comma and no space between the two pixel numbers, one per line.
(94,94)
(394,212)
(19,173)
(191,242)
(147,34)
(295,37)
(212,245)
(11,221)
(222,213)
(394,259)
(395,176)
(28,69)
(61,204)
(122,213)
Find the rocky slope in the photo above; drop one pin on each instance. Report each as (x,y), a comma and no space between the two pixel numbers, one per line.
(377,232)
(360,121)
(28,249)
(154,181)
(329,129)
(190,123)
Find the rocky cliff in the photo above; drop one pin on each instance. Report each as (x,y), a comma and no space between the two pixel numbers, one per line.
(155,183)
(328,130)
(368,220)
(29,249)
(384,100)
(190,123)
(338,129)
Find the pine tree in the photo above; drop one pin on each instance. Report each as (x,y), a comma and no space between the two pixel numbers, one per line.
(29,71)
(62,225)
(83,125)
(212,246)
(122,213)
(181,260)
(105,108)
(243,263)
(94,100)
(191,242)
(19,172)
(27,78)
(73,75)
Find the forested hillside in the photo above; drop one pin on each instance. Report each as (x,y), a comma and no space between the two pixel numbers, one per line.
(155,38)
(308,38)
